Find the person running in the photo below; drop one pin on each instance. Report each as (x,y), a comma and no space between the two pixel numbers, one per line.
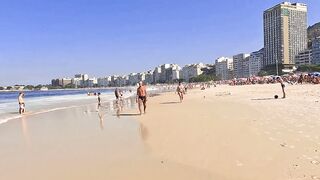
(142,97)
(280,80)
(99,100)
(22,107)
(180,91)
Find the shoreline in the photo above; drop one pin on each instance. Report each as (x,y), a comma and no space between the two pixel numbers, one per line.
(87,102)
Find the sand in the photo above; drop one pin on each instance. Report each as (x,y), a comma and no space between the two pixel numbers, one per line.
(221,133)
(239,132)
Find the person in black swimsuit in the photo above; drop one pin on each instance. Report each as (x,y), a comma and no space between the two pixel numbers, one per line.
(99,100)
(142,97)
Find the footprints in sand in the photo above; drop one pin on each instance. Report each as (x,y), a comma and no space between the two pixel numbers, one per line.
(315,177)
(283,145)
(287,146)
(315,162)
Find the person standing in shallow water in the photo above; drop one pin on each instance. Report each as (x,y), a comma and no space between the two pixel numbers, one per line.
(99,100)
(21,103)
(142,97)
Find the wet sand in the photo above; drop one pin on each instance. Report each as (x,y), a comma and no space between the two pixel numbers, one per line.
(221,133)
(81,143)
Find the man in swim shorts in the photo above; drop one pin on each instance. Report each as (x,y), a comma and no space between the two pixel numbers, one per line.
(142,97)
(180,91)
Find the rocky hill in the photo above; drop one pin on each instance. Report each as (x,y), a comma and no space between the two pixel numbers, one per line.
(313,32)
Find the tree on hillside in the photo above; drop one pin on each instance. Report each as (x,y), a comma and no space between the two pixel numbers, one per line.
(38,86)
(29,87)
(70,86)
(1,88)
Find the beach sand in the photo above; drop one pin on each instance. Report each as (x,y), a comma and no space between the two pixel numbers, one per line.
(220,133)
(239,132)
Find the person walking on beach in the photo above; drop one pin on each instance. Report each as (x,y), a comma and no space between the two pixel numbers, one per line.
(280,80)
(180,91)
(142,97)
(117,93)
(99,100)
(21,103)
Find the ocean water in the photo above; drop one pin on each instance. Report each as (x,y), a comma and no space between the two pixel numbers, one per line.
(46,101)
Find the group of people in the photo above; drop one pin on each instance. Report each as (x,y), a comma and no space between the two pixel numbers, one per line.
(290,79)
(141,97)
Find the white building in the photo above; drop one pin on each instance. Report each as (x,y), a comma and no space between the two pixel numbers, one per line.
(241,65)
(149,77)
(142,76)
(176,74)
(166,73)
(172,73)
(224,68)
(76,82)
(81,80)
(163,75)
(120,81)
(92,82)
(256,62)
(157,75)
(133,79)
(192,70)
(104,82)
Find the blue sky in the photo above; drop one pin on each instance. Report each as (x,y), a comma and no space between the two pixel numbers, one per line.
(42,39)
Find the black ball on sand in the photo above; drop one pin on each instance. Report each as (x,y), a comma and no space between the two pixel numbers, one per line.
(276,96)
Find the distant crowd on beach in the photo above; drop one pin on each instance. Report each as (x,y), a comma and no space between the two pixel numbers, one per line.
(311,78)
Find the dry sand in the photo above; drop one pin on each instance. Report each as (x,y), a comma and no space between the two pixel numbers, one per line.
(221,133)
(239,132)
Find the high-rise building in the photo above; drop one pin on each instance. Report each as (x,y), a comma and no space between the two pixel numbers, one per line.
(157,75)
(256,62)
(192,70)
(241,65)
(224,68)
(285,32)
(149,77)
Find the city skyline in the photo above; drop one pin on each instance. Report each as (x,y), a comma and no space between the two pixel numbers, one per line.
(48,45)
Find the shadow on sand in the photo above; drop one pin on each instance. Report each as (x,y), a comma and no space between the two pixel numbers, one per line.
(136,114)
(170,103)
(263,99)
